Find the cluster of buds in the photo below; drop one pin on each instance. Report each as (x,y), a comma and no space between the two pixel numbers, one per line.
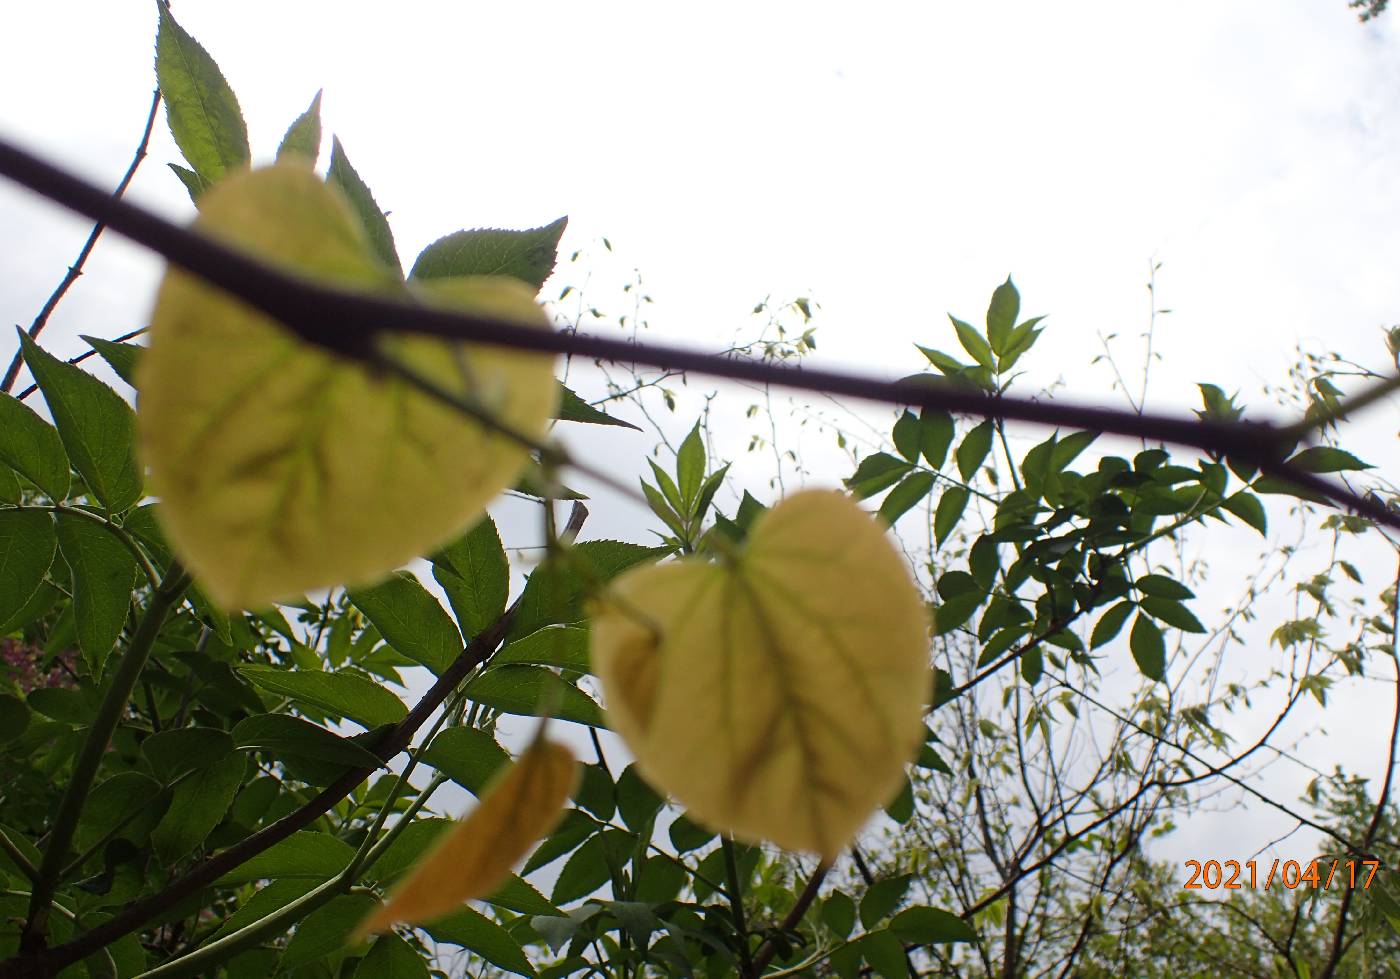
(23,666)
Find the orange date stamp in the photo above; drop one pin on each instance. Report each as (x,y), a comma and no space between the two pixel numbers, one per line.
(1233,875)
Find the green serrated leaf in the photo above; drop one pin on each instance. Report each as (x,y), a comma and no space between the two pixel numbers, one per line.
(342,695)
(1110,624)
(27,546)
(342,175)
(410,619)
(284,735)
(907,436)
(475,574)
(928,926)
(467,755)
(572,408)
(1248,508)
(121,357)
(477,933)
(690,469)
(199,804)
(104,574)
(303,138)
(202,110)
(526,255)
(875,473)
(533,691)
(97,427)
(1173,613)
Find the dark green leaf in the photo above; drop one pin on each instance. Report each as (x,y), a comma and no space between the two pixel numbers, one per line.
(326,930)
(14,717)
(687,835)
(901,807)
(928,926)
(97,427)
(1163,587)
(587,869)
(390,957)
(907,435)
(411,620)
(573,829)
(31,447)
(1110,624)
(1001,315)
(173,753)
(477,933)
(906,495)
(113,802)
(201,108)
(949,511)
(198,806)
(467,755)
(935,436)
(282,734)
(637,802)
(955,611)
(303,138)
(984,560)
(527,255)
(533,690)
(973,342)
(572,408)
(1149,651)
(27,544)
(194,185)
(1326,459)
(475,574)
(974,448)
(881,898)
(341,174)
(563,645)
(885,954)
(121,357)
(303,854)
(519,896)
(932,760)
(875,473)
(555,593)
(344,695)
(104,573)
(1171,612)
(690,468)
(839,913)
(1032,665)
(1247,507)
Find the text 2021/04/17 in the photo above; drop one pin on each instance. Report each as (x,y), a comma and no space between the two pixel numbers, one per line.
(1234,874)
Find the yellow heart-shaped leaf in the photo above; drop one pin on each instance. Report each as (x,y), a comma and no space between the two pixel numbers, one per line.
(474,856)
(282,468)
(779,693)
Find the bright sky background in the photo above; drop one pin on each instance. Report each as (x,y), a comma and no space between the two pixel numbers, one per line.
(893,161)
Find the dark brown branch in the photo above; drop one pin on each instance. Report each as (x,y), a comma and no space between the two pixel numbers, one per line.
(347,323)
(137,913)
(76,269)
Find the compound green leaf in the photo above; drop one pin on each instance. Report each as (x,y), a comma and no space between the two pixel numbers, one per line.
(779,694)
(282,468)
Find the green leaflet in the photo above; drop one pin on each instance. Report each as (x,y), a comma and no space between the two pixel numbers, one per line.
(526,255)
(27,544)
(104,574)
(202,110)
(97,427)
(31,447)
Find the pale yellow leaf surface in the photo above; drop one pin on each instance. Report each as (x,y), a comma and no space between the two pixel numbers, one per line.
(779,693)
(281,468)
(473,858)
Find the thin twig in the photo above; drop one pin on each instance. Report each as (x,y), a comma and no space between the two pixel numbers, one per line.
(76,269)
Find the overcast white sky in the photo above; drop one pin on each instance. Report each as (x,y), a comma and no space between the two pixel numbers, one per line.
(894,161)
